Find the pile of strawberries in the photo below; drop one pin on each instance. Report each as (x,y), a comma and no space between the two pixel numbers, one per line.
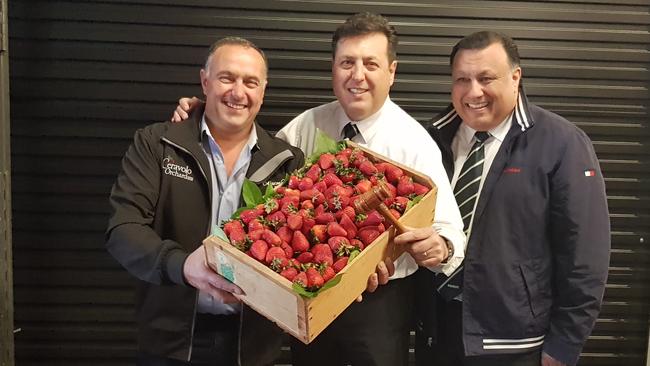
(308,229)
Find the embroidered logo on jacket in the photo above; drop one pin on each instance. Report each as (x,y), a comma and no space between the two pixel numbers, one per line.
(512,170)
(170,167)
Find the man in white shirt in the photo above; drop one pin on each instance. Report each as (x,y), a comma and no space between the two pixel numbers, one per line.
(376,330)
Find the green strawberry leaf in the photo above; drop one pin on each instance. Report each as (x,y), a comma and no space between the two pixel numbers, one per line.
(353,254)
(413,202)
(322,144)
(251,193)
(331,283)
(302,291)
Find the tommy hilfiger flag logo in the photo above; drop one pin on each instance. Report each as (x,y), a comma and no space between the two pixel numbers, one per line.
(590,173)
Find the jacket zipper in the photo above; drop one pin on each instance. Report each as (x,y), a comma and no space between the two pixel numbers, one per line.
(196,299)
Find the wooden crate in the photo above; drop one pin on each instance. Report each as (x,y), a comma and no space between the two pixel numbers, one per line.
(272,295)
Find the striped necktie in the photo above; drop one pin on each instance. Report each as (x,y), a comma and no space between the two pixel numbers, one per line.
(466,192)
(350,130)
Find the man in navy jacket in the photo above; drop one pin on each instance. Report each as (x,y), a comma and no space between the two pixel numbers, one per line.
(538,236)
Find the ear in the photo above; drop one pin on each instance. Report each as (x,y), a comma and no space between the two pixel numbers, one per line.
(516,77)
(204,81)
(392,68)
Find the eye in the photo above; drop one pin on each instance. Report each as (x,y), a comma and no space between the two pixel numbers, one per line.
(486,79)
(346,64)
(225,79)
(461,79)
(252,84)
(372,66)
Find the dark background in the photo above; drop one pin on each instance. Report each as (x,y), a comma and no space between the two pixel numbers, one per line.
(86,74)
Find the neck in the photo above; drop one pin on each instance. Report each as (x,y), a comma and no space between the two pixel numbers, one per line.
(230,142)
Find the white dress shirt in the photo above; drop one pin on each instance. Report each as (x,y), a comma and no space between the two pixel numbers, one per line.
(393,133)
(462,144)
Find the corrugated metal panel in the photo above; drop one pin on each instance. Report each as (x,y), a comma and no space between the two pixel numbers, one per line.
(86,74)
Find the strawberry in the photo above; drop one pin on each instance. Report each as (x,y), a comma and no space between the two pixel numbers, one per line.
(405,186)
(400,203)
(307,225)
(319,233)
(285,233)
(232,225)
(274,253)
(338,244)
(256,234)
(368,235)
(276,219)
(328,273)
(337,190)
(367,168)
(393,173)
(301,279)
(299,242)
(320,186)
(363,186)
(391,188)
(347,211)
(420,189)
(331,179)
(348,225)
(340,263)
(271,206)
(248,215)
(357,244)
(293,182)
(289,273)
(320,209)
(342,161)
(294,221)
(289,208)
(348,176)
(325,218)
(291,193)
(280,190)
(256,224)
(345,152)
(334,229)
(307,205)
(305,184)
(373,218)
(259,249)
(271,238)
(337,203)
(381,167)
(395,213)
(305,257)
(325,161)
(313,173)
(322,254)
(314,279)
(288,250)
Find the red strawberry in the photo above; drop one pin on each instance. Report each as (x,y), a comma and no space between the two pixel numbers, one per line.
(301,279)
(256,224)
(289,208)
(238,239)
(293,182)
(322,254)
(294,221)
(232,225)
(320,186)
(314,279)
(381,167)
(373,218)
(340,263)
(325,218)
(319,233)
(291,193)
(248,215)
(367,168)
(393,173)
(271,238)
(320,209)
(307,225)
(337,190)
(347,211)
(420,189)
(305,257)
(345,152)
(363,186)
(299,242)
(391,188)
(338,244)
(337,203)
(276,219)
(289,273)
(256,234)
(357,244)
(280,190)
(328,273)
(288,250)
(313,172)
(285,233)
(367,235)
(274,253)
(395,213)
(305,184)
(259,249)
(325,161)
(400,203)
(405,186)
(307,205)
(348,176)
(348,225)
(331,179)
(334,229)
(271,206)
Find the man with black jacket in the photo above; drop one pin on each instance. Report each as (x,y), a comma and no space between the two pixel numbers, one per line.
(533,202)
(177,182)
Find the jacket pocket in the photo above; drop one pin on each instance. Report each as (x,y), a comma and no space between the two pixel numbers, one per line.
(537,287)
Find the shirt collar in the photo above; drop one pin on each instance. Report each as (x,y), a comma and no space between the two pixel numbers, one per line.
(205,134)
(499,132)
(367,127)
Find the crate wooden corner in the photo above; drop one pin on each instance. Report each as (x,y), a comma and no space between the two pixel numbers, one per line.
(272,295)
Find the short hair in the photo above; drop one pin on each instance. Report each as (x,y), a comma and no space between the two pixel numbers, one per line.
(233,41)
(483,39)
(366,23)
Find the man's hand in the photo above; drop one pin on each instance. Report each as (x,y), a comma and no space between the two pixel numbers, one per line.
(184,107)
(427,248)
(199,275)
(550,361)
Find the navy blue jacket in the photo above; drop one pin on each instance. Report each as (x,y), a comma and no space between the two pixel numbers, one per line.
(537,259)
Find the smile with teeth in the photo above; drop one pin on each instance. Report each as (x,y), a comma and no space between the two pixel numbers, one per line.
(235,106)
(477,105)
(357,90)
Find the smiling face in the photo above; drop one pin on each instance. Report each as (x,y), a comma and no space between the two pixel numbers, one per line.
(233,86)
(484,86)
(362,75)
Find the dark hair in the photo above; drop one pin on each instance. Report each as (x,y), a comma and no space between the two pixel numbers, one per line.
(233,41)
(365,23)
(481,40)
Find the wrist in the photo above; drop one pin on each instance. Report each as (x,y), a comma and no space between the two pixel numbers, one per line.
(450,250)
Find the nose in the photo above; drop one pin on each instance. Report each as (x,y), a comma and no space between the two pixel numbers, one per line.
(358,73)
(475,89)
(238,90)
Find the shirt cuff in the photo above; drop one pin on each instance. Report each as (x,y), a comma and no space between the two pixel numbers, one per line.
(457,240)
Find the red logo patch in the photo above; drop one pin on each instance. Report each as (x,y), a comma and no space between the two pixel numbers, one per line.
(511,170)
